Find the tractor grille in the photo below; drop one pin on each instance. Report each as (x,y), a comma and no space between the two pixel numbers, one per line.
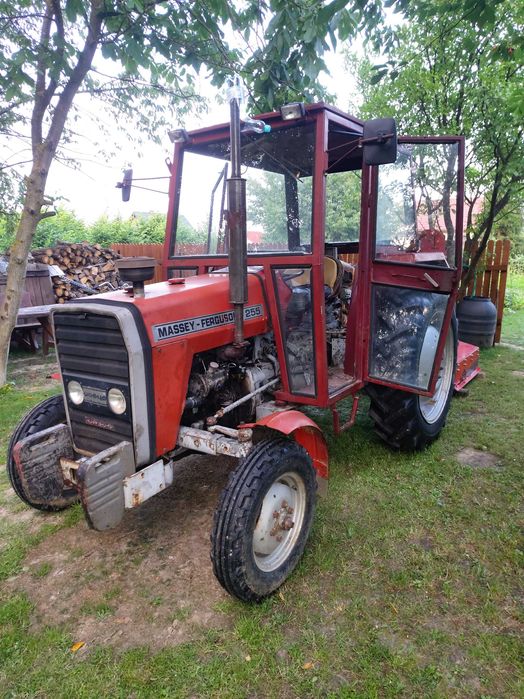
(91,350)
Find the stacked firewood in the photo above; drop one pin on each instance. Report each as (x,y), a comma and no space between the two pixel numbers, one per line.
(86,269)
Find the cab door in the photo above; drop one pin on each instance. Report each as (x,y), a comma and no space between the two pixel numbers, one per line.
(412,250)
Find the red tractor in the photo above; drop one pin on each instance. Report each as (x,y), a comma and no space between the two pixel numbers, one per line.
(333,296)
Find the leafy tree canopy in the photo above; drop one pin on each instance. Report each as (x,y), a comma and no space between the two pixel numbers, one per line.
(450,77)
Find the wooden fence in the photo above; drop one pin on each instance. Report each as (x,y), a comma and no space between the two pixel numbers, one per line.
(489,280)
(491,276)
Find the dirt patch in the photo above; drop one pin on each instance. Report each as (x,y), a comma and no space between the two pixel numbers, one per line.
(35,369)
(476,458)
(395,643)
(520,374)
(474,411)
(149,582)
(17,517)
(34,377)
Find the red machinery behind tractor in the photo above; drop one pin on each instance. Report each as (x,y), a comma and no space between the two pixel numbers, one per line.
(219,358)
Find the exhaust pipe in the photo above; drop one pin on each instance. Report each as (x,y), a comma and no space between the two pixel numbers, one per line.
(236,217)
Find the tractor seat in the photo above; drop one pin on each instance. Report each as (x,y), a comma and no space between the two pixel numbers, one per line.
(333,273)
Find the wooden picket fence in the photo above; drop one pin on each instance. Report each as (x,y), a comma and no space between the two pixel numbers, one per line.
(491,277)
(489,280)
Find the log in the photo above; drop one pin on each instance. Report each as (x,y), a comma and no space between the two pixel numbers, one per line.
(91,265)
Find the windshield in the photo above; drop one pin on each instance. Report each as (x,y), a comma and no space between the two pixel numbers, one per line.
(278,168)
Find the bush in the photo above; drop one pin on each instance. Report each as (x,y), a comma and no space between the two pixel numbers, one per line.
(516,264)
(66,227)
(514,299)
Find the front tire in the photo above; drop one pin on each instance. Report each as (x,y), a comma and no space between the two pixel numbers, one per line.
(49,413)
(263,519)
(410,422)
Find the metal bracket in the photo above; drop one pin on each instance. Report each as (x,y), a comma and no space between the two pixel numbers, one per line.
(212,443)
(337,427)
(151,480)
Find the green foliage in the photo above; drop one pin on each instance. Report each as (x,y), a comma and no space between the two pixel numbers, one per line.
(8,225)
(267,207)
(444,76)
(513,321)
(343,206)
(516,265)
(66,227)
(514,299)
(136,229)
(156,53)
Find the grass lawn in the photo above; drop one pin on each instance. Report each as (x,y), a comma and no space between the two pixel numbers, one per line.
(513,320)
(411,585)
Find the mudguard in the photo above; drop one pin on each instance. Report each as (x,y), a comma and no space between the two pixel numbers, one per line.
(303,430)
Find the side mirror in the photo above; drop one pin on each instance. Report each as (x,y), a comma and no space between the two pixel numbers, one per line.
(379,141)
(125,185)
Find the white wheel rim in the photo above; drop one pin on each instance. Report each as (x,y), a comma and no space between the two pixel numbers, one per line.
(280,521)
(432,407)
(427,356)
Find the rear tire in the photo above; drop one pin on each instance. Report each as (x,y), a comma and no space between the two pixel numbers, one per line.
(263,519)
(48,413)
(410,422)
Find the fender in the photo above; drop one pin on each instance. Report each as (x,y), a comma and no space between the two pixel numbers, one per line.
(305,432)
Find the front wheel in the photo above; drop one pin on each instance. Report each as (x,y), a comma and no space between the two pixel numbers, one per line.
(263,519)
(49,413)
(411,422)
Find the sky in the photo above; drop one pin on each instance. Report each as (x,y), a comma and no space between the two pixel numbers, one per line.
(91,190)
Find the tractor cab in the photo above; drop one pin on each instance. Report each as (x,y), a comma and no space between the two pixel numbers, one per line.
(360,262)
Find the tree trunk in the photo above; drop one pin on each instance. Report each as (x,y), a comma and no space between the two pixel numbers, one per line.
(44,150)
(18,258)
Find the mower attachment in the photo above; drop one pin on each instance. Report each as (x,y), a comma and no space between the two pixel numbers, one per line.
(37,458)
(100,480)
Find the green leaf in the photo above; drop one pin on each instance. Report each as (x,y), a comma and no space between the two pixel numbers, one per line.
(73,9)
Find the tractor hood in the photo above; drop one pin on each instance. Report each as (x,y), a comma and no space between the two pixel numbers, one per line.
(193,308)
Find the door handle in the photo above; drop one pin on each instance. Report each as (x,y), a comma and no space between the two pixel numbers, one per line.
(427,277)
(430,279)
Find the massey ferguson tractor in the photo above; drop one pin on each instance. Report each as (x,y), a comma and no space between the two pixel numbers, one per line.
(310,257)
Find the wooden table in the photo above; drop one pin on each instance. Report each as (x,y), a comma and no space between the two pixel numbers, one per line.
(43,315)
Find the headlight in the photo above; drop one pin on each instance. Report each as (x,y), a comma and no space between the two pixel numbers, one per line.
(75,392)
(116,400)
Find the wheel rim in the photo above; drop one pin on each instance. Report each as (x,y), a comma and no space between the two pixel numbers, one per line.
(280,521)
(432,407)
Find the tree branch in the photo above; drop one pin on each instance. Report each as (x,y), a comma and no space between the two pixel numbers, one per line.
(39,106)
(78,74)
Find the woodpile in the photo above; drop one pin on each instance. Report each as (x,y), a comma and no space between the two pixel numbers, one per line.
(87,269)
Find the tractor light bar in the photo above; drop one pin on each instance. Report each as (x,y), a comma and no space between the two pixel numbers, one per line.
(293,110)
(178,136)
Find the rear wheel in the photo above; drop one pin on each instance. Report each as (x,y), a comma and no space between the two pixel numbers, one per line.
(410,422)
(263,519)
(48,413)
